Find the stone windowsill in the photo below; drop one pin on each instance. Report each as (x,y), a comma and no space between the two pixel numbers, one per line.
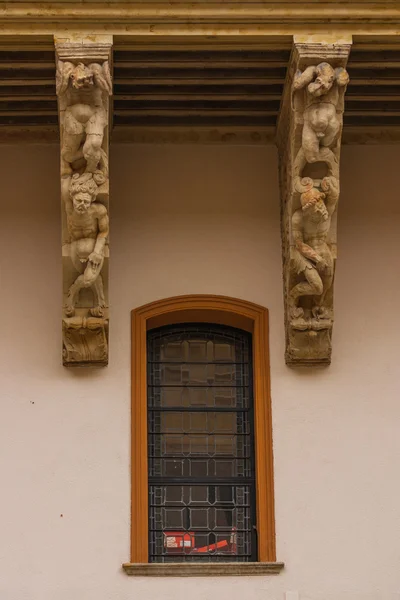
(201,570)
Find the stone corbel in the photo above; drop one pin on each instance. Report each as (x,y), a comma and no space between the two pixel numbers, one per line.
(84,88)
(308,138)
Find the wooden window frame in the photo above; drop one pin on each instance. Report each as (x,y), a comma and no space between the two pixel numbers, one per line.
(203,309)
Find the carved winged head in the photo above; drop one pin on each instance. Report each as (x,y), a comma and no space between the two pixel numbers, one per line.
(323,82)
(81,76)
(83,191)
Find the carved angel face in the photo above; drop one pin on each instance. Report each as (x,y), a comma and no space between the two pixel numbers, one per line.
(82,202)
(81,77)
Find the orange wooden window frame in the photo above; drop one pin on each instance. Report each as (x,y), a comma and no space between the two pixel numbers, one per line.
(209,309)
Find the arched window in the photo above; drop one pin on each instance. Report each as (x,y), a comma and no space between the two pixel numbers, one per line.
(202,465)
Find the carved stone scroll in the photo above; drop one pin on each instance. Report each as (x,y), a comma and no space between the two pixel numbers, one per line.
(84,87)
(308,137)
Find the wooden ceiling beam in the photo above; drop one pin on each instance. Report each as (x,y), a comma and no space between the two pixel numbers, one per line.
(182,82)
(26,83)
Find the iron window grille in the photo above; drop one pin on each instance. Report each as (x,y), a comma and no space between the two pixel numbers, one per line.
(200,444)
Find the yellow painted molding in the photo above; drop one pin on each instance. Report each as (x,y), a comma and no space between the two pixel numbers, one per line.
(200,18)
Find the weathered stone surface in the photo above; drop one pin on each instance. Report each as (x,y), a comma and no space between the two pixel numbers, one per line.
(83,90)
(309,137)
(202,570)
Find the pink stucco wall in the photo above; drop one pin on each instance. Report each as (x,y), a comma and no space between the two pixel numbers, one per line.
(198,220)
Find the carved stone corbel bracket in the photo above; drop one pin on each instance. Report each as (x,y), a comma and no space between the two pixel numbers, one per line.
(308,138)
(84,87)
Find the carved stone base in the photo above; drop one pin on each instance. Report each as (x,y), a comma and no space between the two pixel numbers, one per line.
(85,342)
(309,346)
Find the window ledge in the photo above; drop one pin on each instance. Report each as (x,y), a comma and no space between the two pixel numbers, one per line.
(202,570)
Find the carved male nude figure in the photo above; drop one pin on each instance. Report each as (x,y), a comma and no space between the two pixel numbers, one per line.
(85,116)
(312,256)
(88,227)
(321,123)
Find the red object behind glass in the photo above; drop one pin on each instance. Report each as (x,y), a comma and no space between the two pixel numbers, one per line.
(176,541)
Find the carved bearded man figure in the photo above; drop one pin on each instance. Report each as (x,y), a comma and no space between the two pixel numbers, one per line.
(323,87)
(87,222)
(81,89)
(312,257)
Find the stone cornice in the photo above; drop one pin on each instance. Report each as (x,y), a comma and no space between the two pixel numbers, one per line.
(196,18)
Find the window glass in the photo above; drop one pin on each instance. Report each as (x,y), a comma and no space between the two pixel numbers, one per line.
(200,444)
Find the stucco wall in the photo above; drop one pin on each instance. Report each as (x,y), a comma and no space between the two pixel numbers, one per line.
(198,220)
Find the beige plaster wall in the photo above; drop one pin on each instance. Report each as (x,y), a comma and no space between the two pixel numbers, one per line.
(198,220)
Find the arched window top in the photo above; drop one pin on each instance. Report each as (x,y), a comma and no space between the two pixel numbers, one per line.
(200,342)
(202,308)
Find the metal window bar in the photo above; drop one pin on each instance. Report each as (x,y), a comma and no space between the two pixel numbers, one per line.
(200,444)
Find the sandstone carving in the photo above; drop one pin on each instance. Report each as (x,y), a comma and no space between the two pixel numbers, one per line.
(309,133)
(312,256)
(83,88)
(85,340)
(321,101)
(85,119)
(88,228)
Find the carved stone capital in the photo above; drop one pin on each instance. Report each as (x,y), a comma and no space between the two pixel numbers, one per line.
(84,87)
(308,138)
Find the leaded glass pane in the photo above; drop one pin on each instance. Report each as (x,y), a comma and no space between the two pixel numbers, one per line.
(200,444)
